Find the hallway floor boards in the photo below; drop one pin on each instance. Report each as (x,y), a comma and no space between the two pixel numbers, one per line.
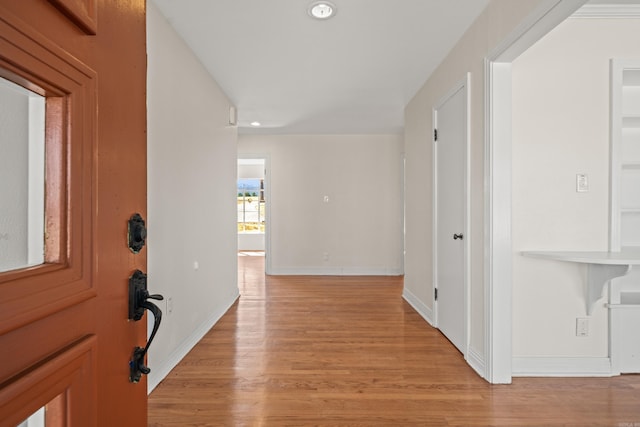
(348,351)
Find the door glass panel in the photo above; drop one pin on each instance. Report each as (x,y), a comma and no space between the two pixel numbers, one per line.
(22,133)
(35,420)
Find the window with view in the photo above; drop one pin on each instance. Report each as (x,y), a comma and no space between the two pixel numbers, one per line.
(251,206)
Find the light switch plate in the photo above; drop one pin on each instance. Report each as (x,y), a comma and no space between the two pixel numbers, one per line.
(582,183)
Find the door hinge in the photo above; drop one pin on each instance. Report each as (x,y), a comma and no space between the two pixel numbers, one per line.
(435,293)
(435,134)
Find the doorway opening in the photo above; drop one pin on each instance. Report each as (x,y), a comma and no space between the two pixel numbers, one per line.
(252,201)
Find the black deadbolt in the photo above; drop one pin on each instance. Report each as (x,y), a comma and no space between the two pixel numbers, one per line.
(137,233)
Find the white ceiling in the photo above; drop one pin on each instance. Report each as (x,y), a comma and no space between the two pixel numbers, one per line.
(353,73)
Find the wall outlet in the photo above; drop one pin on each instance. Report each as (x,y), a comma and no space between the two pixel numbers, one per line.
(325,256)
(582,327)
(169,305)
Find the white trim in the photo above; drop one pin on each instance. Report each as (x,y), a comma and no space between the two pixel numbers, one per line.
(425,312)
(497,180)
(547,15)
(335,271)
(475,359)
(462,85)
(434,214)
(562,367)
(403,195)
(36,180)
(615,146)
(158,373)
(467,219)
(608,11)
(498,254)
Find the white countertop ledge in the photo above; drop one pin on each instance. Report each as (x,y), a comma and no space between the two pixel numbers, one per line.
(601,267)
(628,256)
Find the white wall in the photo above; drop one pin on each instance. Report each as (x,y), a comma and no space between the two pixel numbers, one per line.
(251,171)
(499,19)
(191,196)
(360,228)
(560,129)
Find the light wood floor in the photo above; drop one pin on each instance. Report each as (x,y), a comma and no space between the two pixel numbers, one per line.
(348,351)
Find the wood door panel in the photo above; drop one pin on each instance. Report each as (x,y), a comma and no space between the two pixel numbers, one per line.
(97,83)
(25,347)
(70,373)
(27,58)
(83,13)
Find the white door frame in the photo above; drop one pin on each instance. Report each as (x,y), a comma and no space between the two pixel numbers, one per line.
(497,181)
(463,85)
(267,205)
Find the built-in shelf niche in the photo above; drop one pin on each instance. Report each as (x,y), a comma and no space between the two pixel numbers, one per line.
(624,292)
(625,154)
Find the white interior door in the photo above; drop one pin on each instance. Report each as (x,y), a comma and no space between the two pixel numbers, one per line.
(450,119)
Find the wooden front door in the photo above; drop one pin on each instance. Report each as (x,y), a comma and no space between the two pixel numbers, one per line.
(65,337)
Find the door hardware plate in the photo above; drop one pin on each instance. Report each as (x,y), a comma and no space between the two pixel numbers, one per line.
(137,233)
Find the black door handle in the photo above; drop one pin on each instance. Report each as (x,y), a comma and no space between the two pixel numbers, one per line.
(458,236)
(139,302)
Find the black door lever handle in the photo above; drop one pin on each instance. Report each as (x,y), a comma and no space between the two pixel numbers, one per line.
(138,302)
(136,365)
(458,236)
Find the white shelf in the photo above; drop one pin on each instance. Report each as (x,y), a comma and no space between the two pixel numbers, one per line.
(631,77)
(630,100)
(601,267)
(631,122)
(627,256)
(630,165)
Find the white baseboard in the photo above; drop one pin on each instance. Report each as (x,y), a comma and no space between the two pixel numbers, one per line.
(158,373)
(418,305)
(561,367)
(475,359)
(335,271)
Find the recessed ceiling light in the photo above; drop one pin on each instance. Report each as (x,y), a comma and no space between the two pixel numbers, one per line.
(322,9)
(255,124)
